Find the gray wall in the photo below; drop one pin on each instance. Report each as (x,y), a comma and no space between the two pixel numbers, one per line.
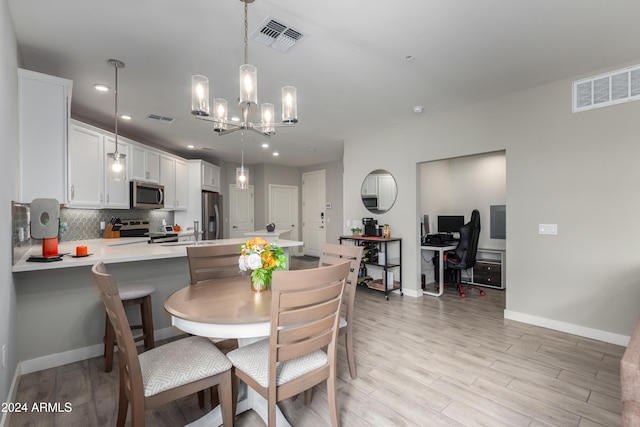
(8,189)
(575,170)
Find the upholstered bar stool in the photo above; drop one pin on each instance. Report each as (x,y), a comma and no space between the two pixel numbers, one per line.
(131,294)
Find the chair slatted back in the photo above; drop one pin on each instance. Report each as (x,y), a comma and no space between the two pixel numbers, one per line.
(129,365)
(212,262)
(331,254)
(305,312)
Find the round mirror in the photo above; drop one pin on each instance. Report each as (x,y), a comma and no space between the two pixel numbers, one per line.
(379,191)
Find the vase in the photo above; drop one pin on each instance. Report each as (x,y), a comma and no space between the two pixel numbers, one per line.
(258,285)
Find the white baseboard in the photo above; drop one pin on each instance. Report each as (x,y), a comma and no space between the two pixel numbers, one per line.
(11,397)
(570,328)
(79,354)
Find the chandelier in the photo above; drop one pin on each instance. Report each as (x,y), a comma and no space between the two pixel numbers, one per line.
(248,100)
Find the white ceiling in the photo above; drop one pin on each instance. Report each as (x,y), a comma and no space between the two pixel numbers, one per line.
(350,71)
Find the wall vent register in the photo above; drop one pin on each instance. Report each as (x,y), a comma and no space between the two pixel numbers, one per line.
(607,89)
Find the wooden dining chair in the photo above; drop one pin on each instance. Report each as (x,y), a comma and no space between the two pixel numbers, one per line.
(165,373)
(301,349)
(207,262)
(330,254)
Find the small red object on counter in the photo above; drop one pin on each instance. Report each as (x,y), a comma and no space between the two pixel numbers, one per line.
(50,247)
(81,251)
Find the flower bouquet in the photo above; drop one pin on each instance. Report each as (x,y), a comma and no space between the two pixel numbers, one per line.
(262,258)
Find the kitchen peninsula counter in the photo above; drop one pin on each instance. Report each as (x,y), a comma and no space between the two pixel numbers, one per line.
(59,316)
(126,249)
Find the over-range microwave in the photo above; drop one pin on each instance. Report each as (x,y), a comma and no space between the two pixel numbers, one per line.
(145,195)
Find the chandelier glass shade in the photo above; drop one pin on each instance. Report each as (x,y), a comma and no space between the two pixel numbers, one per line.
(116,161)
(248,98)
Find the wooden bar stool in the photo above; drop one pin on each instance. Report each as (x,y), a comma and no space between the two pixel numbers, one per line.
(131,294)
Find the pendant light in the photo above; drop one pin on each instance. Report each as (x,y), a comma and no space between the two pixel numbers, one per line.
(116,162)
(242,173)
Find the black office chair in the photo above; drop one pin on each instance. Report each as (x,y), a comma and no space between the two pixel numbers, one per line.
(464,256)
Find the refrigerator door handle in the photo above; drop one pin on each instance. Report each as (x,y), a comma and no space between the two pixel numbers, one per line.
(215,208)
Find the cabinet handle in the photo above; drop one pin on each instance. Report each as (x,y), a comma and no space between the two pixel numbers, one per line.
(147,174)
(107,198)
(73,192)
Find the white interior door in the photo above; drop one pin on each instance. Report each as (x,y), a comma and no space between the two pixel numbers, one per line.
(313,215)
(283,209)
(240,211)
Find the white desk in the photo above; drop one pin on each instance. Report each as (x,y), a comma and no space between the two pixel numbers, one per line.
(225,308)
(441,250)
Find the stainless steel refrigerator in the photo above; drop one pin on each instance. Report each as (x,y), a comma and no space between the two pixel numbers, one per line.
(211,215)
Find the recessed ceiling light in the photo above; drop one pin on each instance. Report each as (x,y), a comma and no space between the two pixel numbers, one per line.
(101,87)
(418,109)
(125,117)
(191,146)
(265,145)
(276,154)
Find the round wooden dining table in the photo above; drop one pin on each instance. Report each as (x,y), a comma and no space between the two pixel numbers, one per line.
(225,308)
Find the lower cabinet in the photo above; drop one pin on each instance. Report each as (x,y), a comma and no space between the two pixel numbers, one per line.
(489,269)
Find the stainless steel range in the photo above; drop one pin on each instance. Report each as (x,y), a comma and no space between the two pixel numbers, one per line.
(140,228)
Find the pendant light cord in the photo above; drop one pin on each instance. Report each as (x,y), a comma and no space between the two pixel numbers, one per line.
(116,108)
(246,26)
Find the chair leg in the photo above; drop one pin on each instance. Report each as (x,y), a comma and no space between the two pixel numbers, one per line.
(458,278)
(332,398)
(226,398)
(123,405)
(109,342)
(308,396)
(351,358)
(147,323)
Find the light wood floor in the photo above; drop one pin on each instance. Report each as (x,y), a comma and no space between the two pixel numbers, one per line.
(421,362)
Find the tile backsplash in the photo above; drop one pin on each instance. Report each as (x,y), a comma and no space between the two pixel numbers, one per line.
(77,224)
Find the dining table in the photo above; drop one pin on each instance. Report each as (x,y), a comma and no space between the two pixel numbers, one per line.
(225,308)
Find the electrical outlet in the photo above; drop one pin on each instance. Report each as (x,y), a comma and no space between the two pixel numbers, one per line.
(548,229)
(4,356)
(102,225)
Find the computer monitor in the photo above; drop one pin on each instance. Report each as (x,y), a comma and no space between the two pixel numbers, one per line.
(450,223)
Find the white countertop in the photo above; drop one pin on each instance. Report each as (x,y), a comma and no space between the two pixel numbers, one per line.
(125,249)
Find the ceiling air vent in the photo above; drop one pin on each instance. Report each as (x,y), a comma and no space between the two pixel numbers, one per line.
(161,119)
(277,35)
(607,89)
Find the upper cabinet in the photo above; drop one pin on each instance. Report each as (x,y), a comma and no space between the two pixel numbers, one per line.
(145,164)
(89,186)
(173,176)
(210,175)
(44,112)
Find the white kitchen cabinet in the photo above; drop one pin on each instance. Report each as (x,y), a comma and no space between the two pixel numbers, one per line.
(85,167)
(43,122)
(370,186)
(182,185)
(210,176)
(173,175)
(89,185)
(145,164)
(116,193)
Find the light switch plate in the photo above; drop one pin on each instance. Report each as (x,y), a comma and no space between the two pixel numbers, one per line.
(548,229)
